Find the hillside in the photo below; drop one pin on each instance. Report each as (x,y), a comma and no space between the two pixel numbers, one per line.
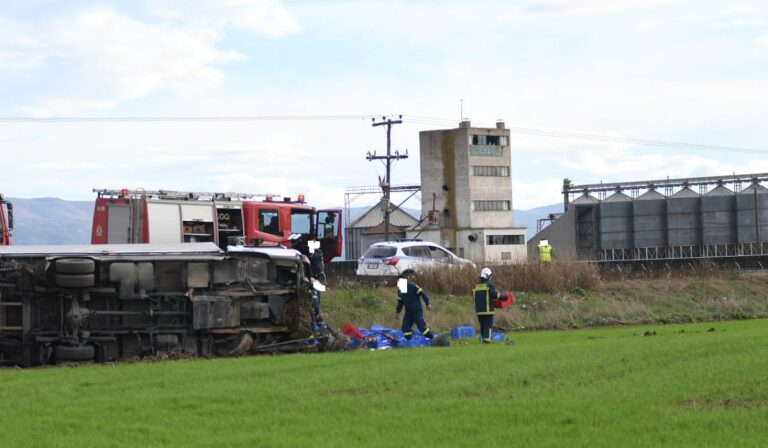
(51,221)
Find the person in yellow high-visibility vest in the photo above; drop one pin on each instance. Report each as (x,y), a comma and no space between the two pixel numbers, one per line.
(545,251)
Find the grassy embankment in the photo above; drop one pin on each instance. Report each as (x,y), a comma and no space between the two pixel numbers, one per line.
(565,295)
(682,385)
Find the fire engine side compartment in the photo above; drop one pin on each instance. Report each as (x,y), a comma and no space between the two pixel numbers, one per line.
(91,303)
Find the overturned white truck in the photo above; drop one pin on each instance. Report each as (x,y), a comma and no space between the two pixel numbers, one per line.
(65,304)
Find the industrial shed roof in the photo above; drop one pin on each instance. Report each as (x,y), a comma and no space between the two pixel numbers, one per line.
(375,216)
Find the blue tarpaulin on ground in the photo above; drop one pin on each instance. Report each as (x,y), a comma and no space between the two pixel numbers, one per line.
(378,337)
(382,338)
(465,331)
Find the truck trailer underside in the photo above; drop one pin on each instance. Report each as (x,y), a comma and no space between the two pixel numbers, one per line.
(65,304)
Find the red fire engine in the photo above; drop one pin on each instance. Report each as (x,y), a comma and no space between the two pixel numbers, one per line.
(6,221)
(143,216)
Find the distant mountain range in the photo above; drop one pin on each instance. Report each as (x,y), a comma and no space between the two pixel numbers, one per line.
(56,221)
(51,221)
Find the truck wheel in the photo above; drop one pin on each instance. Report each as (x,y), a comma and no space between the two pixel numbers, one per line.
(70,353)
(75,281)
(75,266)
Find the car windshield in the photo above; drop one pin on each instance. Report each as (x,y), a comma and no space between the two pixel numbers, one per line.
(380,252)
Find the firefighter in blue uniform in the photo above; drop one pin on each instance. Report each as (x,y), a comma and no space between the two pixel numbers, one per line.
(484,293)
(314,271)
(410,297)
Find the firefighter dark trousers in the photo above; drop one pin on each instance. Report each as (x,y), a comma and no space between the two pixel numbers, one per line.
(415,317)
(316,316)
(486,326)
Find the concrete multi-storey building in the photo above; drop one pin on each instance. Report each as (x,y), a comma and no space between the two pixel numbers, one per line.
(466,192)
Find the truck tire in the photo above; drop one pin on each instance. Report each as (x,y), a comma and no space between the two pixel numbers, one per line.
(71,353)
(75,266)
(75,281)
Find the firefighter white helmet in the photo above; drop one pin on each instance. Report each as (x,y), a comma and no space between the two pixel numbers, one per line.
(485,274)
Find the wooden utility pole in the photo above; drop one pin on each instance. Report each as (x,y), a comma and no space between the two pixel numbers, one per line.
(386,183)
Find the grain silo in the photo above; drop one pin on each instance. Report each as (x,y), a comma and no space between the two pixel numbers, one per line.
(683,218)
(718,217)
(752,214)
(616,222)
(585,207)
(649,219)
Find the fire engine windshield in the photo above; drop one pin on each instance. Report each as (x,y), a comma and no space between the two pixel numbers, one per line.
(301,221)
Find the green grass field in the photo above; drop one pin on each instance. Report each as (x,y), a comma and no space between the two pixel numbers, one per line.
(683,386)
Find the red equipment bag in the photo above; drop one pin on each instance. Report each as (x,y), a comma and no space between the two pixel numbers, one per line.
(505,299)
(352,332)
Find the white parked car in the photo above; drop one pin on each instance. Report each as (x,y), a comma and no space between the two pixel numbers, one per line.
(394,257)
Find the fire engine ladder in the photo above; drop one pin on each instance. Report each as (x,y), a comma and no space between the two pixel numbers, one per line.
(181,195)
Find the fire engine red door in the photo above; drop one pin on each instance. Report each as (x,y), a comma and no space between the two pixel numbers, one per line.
(5,223)
(328,232)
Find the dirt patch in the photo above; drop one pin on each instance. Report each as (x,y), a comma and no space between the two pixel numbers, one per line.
(751,395)
(711,404)
(367,389)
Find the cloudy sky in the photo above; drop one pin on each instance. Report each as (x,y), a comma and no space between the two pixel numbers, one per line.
(692,71)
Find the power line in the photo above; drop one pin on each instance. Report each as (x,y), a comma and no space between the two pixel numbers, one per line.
(569,135)
(185,119)
(415,119)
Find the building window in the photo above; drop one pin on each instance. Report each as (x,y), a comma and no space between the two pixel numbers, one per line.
(499,240)
(491,206)
(494,171)
(488,140)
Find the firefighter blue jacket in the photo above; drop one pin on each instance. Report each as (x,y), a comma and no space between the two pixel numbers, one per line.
(484,293)
(411,299)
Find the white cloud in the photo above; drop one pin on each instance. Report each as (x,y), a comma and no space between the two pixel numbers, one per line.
(264,17)
(590,6)
(118,59)
(102,58)
(68,165)
(19,49)
(744,12)
(531,194)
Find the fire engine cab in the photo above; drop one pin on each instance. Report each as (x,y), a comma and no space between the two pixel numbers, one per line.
(6,221)
(143,216)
